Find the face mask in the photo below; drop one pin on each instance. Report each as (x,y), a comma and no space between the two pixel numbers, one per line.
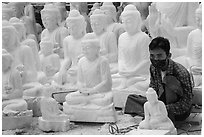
(159,64)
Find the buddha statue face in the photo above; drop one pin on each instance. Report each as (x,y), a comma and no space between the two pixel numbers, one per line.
(90,46)
(7,12)
(198,15)
(10,38)
(131,19)
(49,21)
(46,48)
(51,17)
(98,21)
(18,8)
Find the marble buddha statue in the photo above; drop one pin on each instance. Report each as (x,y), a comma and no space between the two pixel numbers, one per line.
(50,62)
(7,12)
(93,102)
(20,27)
(132,49)
(53,32)
(112,25)
(192,60)
(94,7)
(72,49)
(133,61)
(33,45)
(12,102)
(108,41)
(156,115)
(22,53)
(18,8)
(53,119)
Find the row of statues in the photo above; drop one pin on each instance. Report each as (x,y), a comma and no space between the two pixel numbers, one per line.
(64,56)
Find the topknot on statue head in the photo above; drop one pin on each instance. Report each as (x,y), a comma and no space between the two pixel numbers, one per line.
(110,10)
(98,13)
(74,15)
(51,9)
(130,10)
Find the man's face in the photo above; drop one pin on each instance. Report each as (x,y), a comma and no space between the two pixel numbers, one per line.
(159,59)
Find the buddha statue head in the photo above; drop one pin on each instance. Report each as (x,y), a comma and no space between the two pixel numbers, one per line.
(62,8)
(20,27)
(7,12)
(7,60)
(95,6)
(98,22)
(18,8)
(198,15)
(151,96)
(90,46)
(51,17)
(76,24)
(131,19)
(110,11)
(46,47)
(10,39)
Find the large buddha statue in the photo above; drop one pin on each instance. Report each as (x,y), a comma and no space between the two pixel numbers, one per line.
(13,105)
(156,115)
(112,25)
(53,32)
(93,102)
(72,48)
(22,53)
(108,42)
(133,61)
(53,119)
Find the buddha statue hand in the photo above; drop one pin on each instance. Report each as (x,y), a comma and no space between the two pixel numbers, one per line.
(87,91)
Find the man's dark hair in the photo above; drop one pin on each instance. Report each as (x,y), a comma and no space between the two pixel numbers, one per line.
(160,43)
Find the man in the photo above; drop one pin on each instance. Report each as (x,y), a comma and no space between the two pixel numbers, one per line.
(169,79)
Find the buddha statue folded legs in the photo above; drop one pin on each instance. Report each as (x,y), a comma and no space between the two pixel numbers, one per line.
(93,102)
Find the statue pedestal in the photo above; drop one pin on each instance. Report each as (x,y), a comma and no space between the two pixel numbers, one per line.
(90,113)
(120,96)
(152,132)
(16,122)
(53,125)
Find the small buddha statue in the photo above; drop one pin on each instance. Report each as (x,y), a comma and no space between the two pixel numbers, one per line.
(108,41)
(72,49)
(12,91)
(112,25)
(93,102)
(50,62)
(7,12)
(33,45)
(133,62)
(18,7)
(53,119)
(53,32)
(94,7)
(22,53)
(156,115)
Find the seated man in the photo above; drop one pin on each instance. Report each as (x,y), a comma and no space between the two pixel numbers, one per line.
(93,102)
(156,116)
(169,79)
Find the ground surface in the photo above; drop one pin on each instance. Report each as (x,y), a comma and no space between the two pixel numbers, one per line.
(125,123)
